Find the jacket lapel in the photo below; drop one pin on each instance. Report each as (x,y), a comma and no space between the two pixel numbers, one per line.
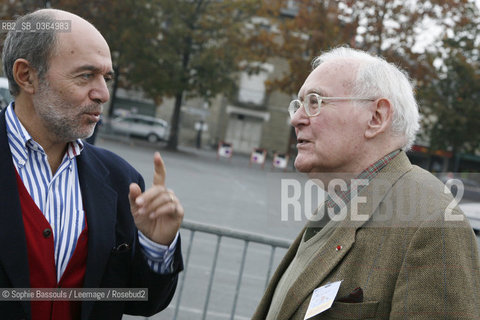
(264,305)
(323,263)
(13,255)
(100,203)
(329,257)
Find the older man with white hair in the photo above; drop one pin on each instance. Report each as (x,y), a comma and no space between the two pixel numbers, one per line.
(388,242)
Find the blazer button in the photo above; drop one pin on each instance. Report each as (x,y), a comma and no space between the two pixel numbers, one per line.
(47,232)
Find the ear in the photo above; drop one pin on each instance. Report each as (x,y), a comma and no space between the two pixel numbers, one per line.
(380,119)
(25,76)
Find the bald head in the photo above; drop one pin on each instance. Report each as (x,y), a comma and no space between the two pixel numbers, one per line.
(38,47)
(78,24)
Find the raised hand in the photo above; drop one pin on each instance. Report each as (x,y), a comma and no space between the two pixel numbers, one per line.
(157,212)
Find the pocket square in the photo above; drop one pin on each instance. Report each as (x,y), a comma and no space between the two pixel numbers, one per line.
(356,296)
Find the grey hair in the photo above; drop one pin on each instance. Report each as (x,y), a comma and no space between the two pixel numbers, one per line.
(377,78)
(35,47)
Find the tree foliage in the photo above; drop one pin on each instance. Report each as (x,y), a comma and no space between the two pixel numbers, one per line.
(451,99)
(453,121)
(297,33)
(199,49)
(391,28)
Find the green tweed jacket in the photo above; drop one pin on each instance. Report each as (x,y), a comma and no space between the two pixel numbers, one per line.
(409,253)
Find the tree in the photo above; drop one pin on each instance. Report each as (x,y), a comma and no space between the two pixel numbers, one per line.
(198,51)
(391,28)
(454,107)
(397,30)
(451,100)
(297,32)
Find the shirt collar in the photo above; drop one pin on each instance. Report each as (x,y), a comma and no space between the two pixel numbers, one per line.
(372,170)
(15,129)
(74,148)
(369,173)
(17,134)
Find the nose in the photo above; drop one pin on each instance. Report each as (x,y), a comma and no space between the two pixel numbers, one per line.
(300,118)
(99,92)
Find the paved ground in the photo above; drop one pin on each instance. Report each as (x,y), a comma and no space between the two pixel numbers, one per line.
(220,192)
(227,194)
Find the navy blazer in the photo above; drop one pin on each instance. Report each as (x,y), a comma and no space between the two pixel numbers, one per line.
(104,181)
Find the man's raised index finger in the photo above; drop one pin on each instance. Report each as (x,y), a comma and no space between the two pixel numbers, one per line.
(160,172)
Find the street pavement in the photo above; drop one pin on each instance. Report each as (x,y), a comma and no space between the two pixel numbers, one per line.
(224,193)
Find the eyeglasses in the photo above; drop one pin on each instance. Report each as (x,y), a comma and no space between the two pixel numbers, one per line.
(313,102)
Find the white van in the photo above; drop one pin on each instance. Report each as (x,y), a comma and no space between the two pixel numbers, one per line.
(5,96)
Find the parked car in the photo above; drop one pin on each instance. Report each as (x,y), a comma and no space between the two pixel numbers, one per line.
(150,128)
(472,212)
(5,97)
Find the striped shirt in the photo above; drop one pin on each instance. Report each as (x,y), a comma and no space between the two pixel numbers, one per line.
(59,198)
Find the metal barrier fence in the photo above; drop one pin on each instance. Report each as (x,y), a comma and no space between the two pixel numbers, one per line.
(220,233)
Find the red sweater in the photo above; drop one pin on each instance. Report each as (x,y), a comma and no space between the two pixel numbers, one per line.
(41,262)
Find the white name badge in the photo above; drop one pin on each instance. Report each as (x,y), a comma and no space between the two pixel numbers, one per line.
(322,299)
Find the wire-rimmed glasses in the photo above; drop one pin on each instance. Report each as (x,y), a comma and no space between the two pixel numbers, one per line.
(313,102)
